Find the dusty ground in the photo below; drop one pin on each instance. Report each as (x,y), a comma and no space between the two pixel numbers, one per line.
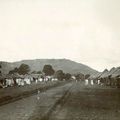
(80,103)
(33,107)
(89,103)
(14,93)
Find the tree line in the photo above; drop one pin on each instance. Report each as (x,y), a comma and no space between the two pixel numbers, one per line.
(47,71)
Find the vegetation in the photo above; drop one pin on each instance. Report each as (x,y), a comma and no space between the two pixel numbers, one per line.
(79,76)
(15,70)
(59,75)
(48,70)
(39,72)
(22,70)
(36,72)
(67,76)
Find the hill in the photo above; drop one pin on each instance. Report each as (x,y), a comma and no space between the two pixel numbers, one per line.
(37,65)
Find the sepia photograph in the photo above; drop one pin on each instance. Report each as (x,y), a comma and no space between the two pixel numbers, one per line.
(59,59)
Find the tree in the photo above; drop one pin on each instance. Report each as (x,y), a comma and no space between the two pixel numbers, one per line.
(48,70)
(79,76)
(59,75)
(67,76)
(11,72)
(23,69)
(15,70)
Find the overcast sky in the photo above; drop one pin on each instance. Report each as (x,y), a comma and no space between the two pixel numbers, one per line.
(87,31)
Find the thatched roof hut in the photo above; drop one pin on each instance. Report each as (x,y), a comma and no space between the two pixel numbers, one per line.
(95,76)
(116,73)
(104,74)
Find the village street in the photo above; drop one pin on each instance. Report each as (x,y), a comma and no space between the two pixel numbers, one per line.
(89,103)
(29,107)
(72,101)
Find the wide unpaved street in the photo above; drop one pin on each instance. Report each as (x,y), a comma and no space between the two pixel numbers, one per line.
(35,106)
(72,101)
(89,103)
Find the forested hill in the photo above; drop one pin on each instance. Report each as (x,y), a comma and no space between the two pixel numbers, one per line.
(66,65)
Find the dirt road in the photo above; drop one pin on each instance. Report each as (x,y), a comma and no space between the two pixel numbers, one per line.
(35,106)
(89,103)
(72,101)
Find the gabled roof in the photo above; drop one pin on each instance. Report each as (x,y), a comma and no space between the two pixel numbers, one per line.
(116,73)
(93,76)
(104,73)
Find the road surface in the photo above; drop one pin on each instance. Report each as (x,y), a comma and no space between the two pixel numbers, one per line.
(89,103)
(35,106)
(80,102)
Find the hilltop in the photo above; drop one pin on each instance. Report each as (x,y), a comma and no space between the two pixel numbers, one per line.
(58,64)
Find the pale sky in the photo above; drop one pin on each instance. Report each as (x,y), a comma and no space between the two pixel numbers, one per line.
(86,31)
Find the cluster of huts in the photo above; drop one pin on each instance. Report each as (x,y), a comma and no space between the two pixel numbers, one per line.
(21,80)
(107,77)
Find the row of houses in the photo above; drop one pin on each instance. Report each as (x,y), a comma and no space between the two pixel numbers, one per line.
(108,77)
(21,80)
